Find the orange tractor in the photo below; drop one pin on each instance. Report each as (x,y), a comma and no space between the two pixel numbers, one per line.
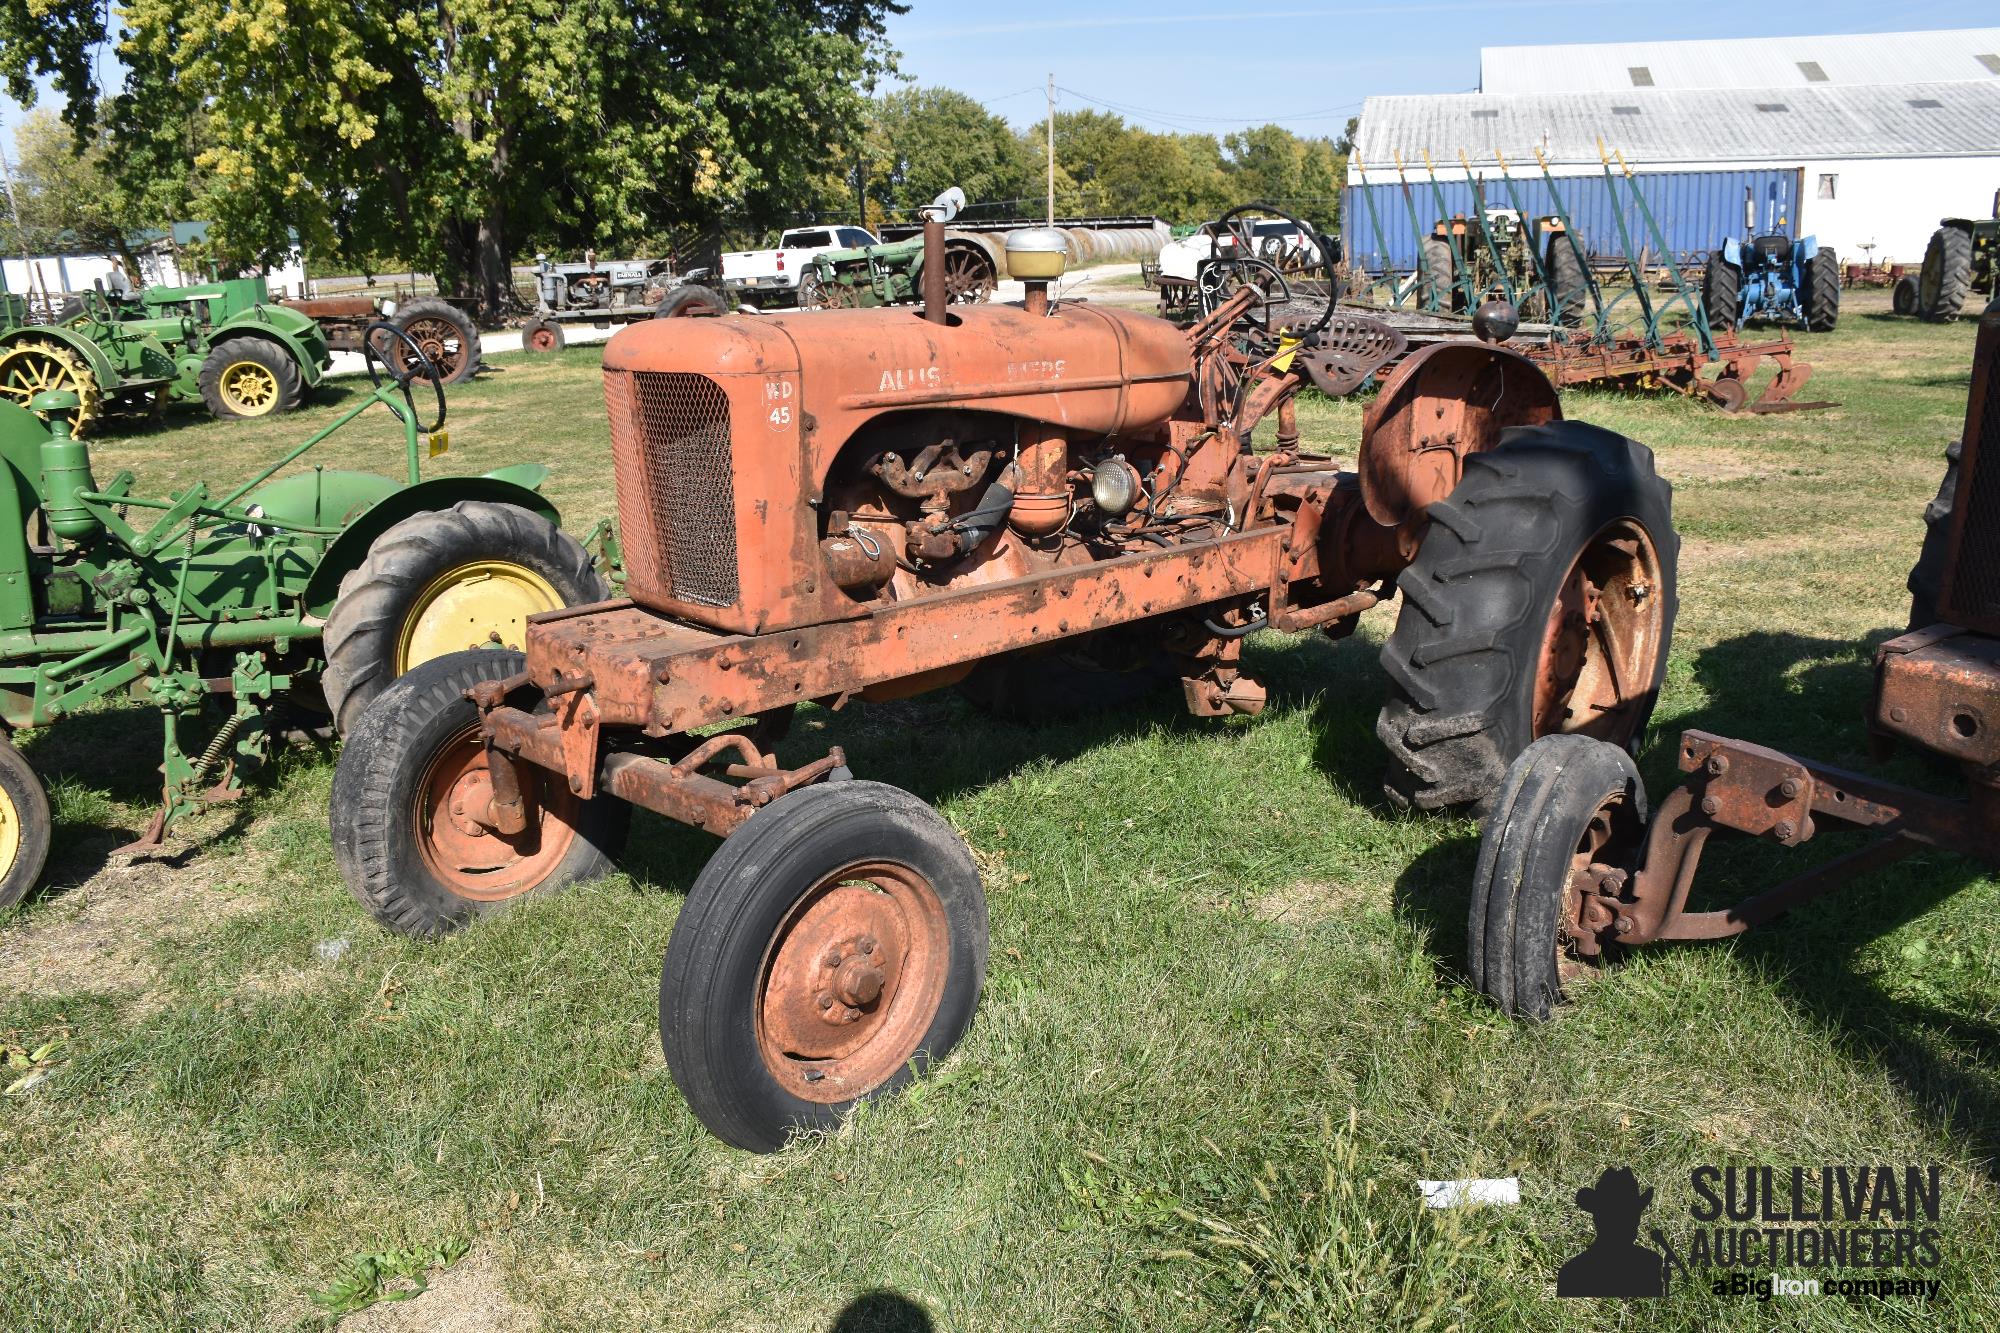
(1046,504)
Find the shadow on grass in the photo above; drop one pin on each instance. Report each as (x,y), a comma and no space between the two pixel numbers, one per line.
(882,1311)
(1815,957)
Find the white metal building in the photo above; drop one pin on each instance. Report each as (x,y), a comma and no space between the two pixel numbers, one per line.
(1874,153)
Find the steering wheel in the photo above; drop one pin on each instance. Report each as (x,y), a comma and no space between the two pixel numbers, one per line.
(1309,243)
(416,366)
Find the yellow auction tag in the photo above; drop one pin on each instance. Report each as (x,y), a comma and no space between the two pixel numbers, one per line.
(440,441)
(1288,347)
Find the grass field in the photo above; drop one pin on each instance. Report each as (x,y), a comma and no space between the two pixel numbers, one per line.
(1224,1029)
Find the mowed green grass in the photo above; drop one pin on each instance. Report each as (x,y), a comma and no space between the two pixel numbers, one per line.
(1224,1032)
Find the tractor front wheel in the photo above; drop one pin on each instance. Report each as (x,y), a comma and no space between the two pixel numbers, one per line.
(1903,300)
(249,377)
(1541,601)
(24,825)
(542,335)
(1721,293)
(442,581)
(1819,292)
(1571,809)
(831,950)
(411,810)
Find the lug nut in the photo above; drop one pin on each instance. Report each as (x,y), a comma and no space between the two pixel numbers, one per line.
(1709,805)
(1789,789)
(867,945)
(1785,829)
(1718,765)
(825,1000)
(831,958)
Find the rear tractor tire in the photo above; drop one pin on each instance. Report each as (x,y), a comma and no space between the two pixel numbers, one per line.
(690,299)
(1569,282)
(41,365)
(1721,293)
(246,377)
(447,335)
(1541,601)
(1926,582)
(442,581)
(1568,804)
(1946,276)
(25,824)
(410,793)
(830,951)
(1819,292)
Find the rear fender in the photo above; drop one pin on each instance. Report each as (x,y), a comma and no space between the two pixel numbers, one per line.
(87,349)
(307,350)
(1805,248)
(513,485)
(1732,252)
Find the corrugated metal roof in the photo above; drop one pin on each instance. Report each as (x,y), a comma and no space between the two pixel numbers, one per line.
(1746,62)
(1722,125)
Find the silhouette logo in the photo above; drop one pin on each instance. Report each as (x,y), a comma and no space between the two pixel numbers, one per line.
(1614,1263)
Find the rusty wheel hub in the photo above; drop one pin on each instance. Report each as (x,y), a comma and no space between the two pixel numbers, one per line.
(852,981)
(1605,633)
(460,845)
(1595,891)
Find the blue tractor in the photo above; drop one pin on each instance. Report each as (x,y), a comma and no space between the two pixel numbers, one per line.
(1772,277)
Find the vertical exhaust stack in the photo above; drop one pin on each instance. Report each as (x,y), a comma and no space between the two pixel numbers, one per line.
(1035,256)
(936,213)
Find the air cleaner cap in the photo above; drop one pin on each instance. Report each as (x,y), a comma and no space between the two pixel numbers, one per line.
(1036,254)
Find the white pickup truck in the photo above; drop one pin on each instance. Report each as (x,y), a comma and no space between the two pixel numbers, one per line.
(756,277)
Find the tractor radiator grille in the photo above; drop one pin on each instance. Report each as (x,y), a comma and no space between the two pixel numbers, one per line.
(1973,597)
(676,496)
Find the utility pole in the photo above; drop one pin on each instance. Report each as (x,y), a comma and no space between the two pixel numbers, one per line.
(1052,150)
(20,232)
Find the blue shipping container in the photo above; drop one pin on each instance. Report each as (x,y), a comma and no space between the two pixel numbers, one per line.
(1695,210)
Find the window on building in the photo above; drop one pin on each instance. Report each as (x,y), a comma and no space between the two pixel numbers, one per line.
(1827,185)
(1811,69)
(1990,60)
(1772,106)
(1641,76)
(1624,110)
(1926,103)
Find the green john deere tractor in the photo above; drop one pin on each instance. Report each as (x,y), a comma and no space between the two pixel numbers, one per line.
(223,344)
(282,603)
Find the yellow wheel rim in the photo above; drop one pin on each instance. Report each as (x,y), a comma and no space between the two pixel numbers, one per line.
(10,834)
(485,604)
(248,388)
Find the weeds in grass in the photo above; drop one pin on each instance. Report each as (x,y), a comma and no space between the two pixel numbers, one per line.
(368,1279)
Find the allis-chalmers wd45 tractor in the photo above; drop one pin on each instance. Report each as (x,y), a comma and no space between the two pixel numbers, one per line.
(1570,871)
(1036,502)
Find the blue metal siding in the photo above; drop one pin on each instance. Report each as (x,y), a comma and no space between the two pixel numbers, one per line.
(1695,210)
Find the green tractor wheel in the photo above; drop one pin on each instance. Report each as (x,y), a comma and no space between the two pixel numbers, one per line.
(248,376)
(30,368)
(24,825)
(443,581)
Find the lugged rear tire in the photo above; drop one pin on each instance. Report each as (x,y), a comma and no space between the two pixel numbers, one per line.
(1721,293)
(1819,294)
(1490,604)
(1946,276)
(1903,298)
(364,640)
(690,299)
(249,359)
(1440,279)
(1926,582)
(1541,824)
(403,846)
(446,334)
(1569,282)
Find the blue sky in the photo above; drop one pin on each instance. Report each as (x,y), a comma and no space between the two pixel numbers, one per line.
(1212,66)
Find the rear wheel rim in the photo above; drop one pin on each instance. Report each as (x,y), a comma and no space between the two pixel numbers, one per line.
(1604,841)
(441,341)
(248,388)
(27,371)
(851,981)
(483,604)
(1601,647)
(469,856)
